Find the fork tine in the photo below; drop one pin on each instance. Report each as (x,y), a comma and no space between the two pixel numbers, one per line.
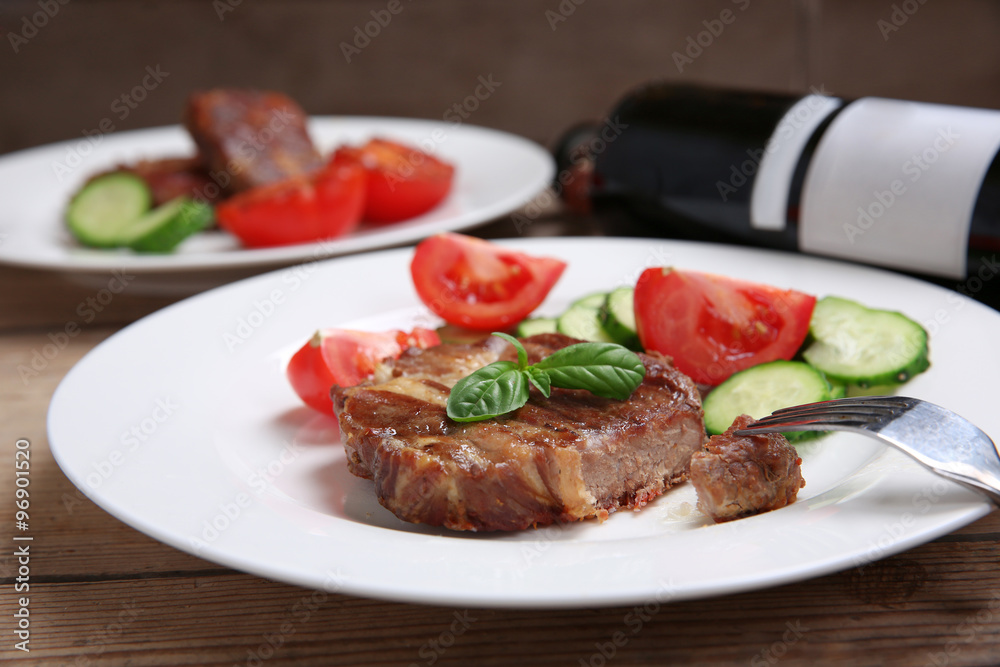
(816,419)
(863,403)
(838,414)
(823,409)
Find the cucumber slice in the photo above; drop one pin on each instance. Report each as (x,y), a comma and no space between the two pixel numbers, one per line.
(864,346)
(618,317)
(760,390)
(856,391)
(105,206)
(839,389)
(536,325)
(591,300)
(583,322)
(163,228)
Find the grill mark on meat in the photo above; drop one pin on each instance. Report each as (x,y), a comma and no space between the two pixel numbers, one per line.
(738,476)
(564,458)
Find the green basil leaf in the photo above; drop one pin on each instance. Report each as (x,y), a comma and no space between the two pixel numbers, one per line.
(522,355)
(605,369)
(540,379)
(490,391)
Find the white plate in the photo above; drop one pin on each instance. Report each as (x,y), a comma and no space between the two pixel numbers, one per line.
(495,174)
(183,426)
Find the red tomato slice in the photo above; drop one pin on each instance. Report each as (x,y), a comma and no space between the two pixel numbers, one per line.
(714,326)
(403,181)
(346,357)
(475,284)
(324,205)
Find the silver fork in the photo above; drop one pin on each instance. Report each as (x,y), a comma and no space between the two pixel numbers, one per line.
(937,438)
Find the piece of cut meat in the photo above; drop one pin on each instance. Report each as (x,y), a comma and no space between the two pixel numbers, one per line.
(738,476)
(250,138)
(568,457)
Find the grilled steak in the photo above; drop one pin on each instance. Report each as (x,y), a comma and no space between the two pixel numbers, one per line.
(569,457)
(736,476)
(250,138)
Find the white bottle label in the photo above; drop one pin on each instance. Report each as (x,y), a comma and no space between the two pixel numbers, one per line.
(894,183)
(769,197)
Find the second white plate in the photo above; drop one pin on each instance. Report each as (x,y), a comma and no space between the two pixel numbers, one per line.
(495,173)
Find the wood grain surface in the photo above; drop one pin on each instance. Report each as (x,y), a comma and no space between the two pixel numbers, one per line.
(102,593)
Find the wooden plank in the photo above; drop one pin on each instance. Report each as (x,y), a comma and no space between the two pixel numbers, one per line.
(193,620)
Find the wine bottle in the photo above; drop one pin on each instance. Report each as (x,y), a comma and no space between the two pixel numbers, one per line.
(910,186)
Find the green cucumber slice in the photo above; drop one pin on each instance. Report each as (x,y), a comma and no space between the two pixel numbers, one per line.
(105,206)
(618,317)
(760,390)
(865,346)
(591,300)
(536,325)
(163,228)
(839,389)
(583,322)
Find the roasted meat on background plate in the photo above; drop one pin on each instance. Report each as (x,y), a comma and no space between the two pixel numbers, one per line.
(572,456)
(248,138)
(169,178)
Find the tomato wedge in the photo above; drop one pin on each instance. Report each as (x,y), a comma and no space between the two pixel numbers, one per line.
(479,285)
(346,357)
(323,205)
(713,326)
(403,181)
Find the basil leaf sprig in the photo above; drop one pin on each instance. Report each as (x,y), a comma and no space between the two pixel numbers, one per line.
(604,369)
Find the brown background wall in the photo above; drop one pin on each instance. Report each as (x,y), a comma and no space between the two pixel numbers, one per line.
(64,77)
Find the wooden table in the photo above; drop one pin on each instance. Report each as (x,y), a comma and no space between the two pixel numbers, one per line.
(103,593)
